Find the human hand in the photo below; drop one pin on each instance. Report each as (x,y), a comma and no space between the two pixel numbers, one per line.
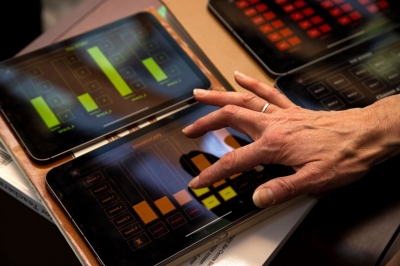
(327,149)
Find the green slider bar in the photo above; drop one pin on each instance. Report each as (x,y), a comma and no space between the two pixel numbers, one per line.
(154,69)
(109,71)
(45,112)
(87,102)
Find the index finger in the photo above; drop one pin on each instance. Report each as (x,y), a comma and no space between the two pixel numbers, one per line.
(222,98)
(238,118)
(262,90)
(234,162)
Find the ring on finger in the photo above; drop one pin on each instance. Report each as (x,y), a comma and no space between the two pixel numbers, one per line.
(265,107)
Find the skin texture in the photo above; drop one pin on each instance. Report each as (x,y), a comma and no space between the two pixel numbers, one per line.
(327,149)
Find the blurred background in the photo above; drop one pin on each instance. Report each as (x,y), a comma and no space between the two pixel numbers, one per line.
(54,10)
(24,20)
(27,238)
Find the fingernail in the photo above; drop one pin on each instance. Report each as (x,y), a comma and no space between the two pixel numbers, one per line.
(200,92)
(193,183)
(240,74)
(186,129)
(263,197)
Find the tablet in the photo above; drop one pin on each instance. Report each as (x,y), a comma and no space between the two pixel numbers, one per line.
(285,35)
(130,199)
(66,96)
(353,78)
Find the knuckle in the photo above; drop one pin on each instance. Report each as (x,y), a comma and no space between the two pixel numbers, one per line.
(295,109)
(230,110)
(287,188)
(275,92)
(248,98)
(226,162)
(276,138)
(320,181)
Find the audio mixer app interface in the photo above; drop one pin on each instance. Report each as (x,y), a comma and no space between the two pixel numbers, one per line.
(61,96)
(130,199)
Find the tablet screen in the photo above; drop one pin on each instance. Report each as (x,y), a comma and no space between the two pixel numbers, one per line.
(79,90)
(353,78)
(131,201)
(284,35)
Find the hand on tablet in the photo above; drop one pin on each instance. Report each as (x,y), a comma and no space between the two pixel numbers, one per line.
(327,149)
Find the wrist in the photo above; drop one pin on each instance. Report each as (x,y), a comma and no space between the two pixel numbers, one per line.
(386,124)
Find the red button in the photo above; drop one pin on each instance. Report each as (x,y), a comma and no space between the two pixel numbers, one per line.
(346,8)
(325,28)
(286,32)
(355,15)
(308,11)
(261,7)
(278,24)
(283,45)
(364,2)
(254,1)
(269,15)
(326,4)
(242,4)
(280,2)
(305,24)
(317,20)
(274,37)
(289,8)
(294,41)
(300,4)
(250,12)
(373,8)
(383,4)
(296,16)
(266,28)
(314,33)
(344,20)
(335,12)
(258,20)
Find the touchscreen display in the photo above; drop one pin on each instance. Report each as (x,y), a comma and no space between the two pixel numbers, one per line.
(131,201)
(62,96)
(354,78)
(284,35)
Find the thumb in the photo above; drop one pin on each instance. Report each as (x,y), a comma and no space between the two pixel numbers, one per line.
(279,190)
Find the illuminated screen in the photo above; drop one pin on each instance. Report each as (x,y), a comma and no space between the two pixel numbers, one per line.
(354,78)
(72,92)
(130,198)
(284,35)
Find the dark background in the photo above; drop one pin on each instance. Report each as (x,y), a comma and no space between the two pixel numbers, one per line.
(20,24)
(26,238)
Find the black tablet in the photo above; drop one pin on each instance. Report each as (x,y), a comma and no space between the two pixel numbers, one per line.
(353,78)
(70,94)
(130,199)
(285,35)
